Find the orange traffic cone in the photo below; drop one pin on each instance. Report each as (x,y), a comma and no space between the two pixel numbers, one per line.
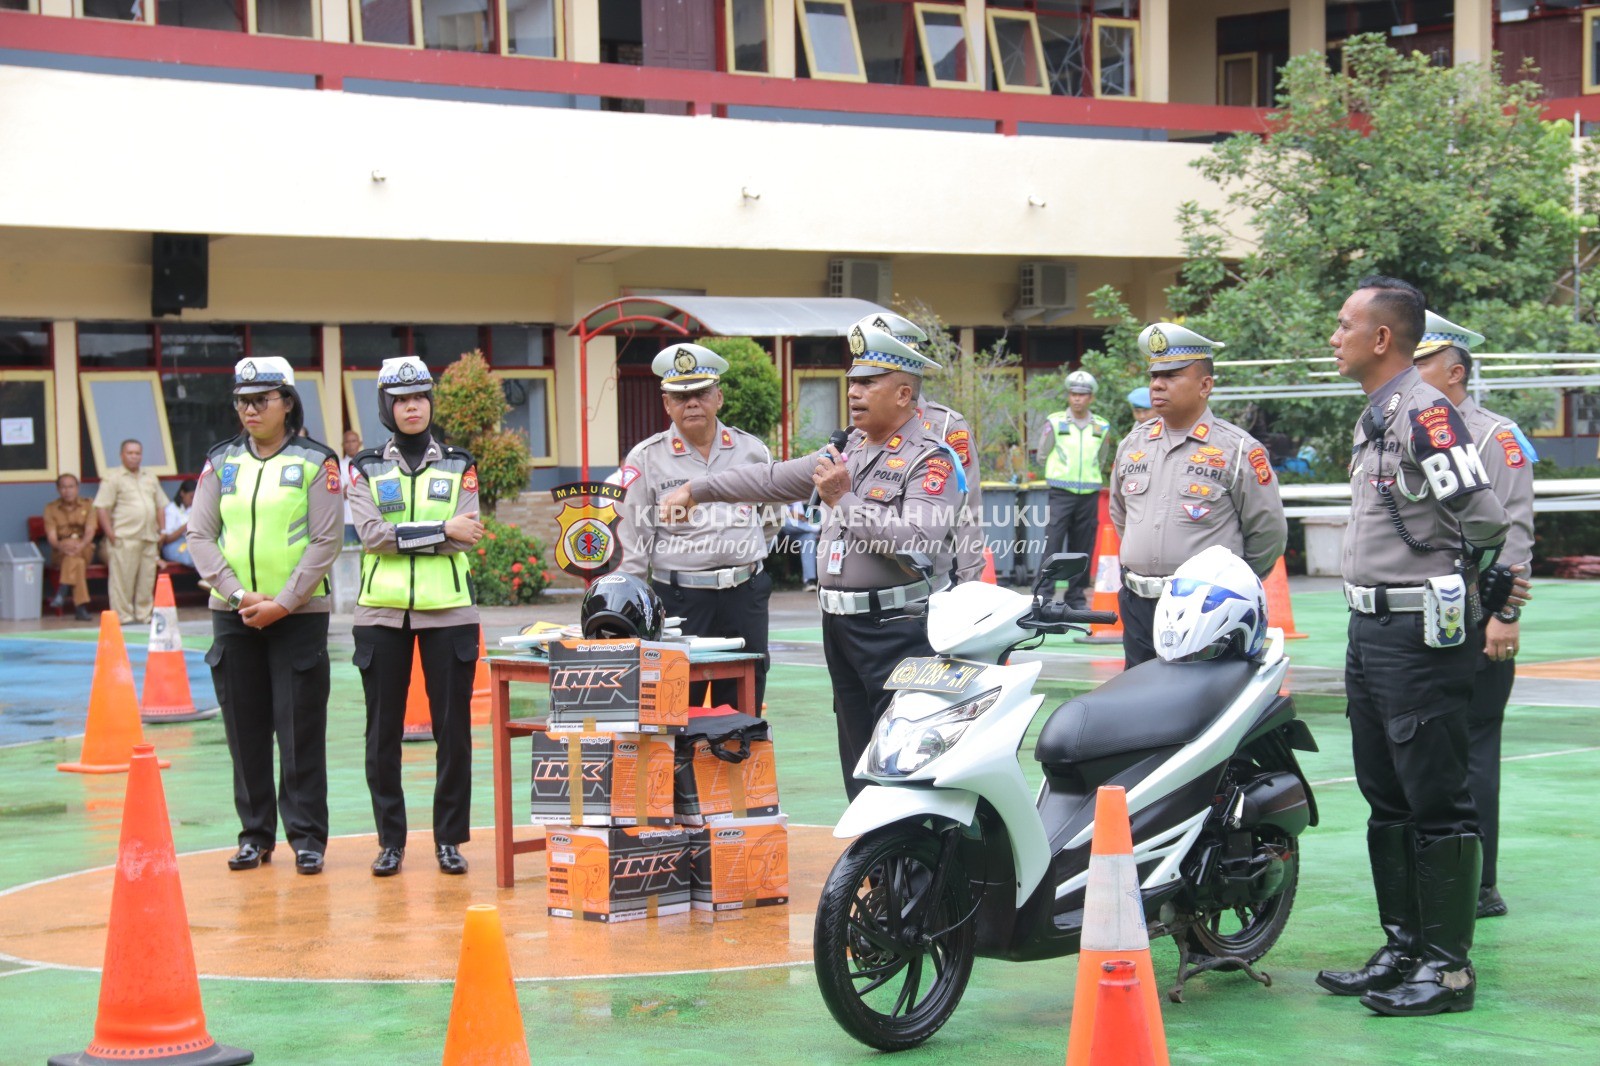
(1113,930)
(419,720)
(1121,1037)
(485,1021)
(1280,611)
(113,726)
(480,683)
(166,673)
(149,994)
(1107,580)
(988,574)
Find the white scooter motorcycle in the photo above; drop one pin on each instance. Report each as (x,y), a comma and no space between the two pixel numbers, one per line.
(956,857)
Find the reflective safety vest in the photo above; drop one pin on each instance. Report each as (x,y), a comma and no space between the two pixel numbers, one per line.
(1074,463)
(415,582)
(264,506)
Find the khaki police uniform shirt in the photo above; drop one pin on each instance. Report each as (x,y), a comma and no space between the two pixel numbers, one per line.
(379,535)
(718,535)
(952,428)
(135,502)
(1413,441)
(67,520)
(903,497)
(1510,476)
(324,509)
(1173,494)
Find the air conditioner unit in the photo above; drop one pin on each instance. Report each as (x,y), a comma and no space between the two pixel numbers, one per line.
(1049,289)
(863,279)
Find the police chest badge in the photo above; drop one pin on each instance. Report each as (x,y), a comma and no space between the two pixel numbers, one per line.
(293,476)
(586,545)
(228,479)
(439,488)
(389,497)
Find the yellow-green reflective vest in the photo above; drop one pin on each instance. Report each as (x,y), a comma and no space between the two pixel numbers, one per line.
(1074,463)
(264,509)
(415,582)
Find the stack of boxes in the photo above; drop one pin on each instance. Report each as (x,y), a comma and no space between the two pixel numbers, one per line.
(644,818)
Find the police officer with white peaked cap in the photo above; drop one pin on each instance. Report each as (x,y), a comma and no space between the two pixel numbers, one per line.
(1072,444)
(1184,481)
(1444,359)
(894,488)
(264,531)
(951,426)
(415,506)
(1424,523)
(710,572)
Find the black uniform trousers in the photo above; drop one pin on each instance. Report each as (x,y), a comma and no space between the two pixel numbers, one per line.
(1072,529)
(862,650)
(449,662)
(737,612)
(1491,689)
(1138,627)
(275,681)
(1408,708)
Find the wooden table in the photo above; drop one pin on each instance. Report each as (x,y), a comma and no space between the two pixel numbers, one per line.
(504,669)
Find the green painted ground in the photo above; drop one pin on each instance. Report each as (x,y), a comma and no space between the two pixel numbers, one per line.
(1539,998)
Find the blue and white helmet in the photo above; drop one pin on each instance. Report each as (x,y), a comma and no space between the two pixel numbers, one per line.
(1212,605)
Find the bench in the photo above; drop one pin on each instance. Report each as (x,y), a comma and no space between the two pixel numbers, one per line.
(185,591)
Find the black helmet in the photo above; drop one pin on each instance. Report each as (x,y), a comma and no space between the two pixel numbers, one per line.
(621,606)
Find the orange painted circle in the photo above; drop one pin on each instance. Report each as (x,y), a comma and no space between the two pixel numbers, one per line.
(346,925)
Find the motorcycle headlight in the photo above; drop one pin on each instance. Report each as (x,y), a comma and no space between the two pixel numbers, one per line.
(902,746)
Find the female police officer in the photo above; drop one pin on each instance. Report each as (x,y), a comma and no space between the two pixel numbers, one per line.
(263,530)
(415,507)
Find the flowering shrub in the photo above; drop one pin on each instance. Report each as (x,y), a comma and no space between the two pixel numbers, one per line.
(506,566)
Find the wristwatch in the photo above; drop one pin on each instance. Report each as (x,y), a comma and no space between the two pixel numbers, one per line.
(1508,614)
(236,599)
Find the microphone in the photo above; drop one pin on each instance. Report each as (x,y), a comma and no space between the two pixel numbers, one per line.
(838,438)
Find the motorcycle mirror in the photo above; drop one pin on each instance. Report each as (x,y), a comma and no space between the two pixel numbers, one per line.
(917,561)
(1060,567)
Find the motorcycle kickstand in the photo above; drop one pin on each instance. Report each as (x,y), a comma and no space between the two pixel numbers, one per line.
(1187,969)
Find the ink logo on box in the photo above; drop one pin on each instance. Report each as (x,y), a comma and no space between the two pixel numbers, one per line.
(559,839)
(730,834)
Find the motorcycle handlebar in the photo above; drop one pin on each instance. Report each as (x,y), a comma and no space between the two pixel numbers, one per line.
(1061,613)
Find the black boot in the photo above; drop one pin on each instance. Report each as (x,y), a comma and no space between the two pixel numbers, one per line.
(1391,852)
(1442,982)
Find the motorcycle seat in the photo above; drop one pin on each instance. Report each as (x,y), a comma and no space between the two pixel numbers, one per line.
(1156,704)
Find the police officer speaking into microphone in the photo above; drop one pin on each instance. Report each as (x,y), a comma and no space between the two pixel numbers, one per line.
(415,505)
(710,572)
(894,488)
(1444,358)
(1424,525)
(264,531)
(1184,481)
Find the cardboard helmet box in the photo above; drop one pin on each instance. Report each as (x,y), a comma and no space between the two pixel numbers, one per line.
(617,874)
(739,863)
(724,767)
(602,779)
(630,686)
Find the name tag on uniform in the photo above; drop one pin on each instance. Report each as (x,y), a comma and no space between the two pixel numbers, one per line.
(439,488)
(228,479)
(389,499)
(293,476)
(836,557)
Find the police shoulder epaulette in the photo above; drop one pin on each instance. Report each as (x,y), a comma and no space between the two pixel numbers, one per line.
(223,447)
(452,452)
(369,455)
(314,450)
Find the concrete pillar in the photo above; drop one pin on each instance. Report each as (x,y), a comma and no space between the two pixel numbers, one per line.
(1308,26)
(583,31)
(780,48)
(978,42)
(1155,64)
(1474,31)
(591,284)
(69,426)
(333,386)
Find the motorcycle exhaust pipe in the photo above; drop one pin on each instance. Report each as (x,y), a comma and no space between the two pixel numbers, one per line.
(1277,799)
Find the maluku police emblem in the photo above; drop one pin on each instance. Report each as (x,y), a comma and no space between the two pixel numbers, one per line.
(586,546)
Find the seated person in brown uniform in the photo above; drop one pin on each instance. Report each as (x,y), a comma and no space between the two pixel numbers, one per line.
(69,526)
(1185,481)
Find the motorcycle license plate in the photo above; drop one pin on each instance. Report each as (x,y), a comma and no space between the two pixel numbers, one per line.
(929,674)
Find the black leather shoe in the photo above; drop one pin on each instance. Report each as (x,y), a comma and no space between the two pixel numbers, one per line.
(1490,905)
(451,861)
(1390,852)
(248,857)
(1383,971)
(1443,981)
(308,862)
(81,613)
(387,864)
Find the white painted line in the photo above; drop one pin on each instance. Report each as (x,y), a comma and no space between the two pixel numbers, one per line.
(1508,758)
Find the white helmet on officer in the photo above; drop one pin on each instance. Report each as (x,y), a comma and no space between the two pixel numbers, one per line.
(268,373)
(404,376)
(688,367)
(1439,333)
(1212,605)
(1169,346)
(899,327)
(875,351)
(1081,381)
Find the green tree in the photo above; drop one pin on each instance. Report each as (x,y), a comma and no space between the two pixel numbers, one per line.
(751,392)
(469,403)
(1445,176)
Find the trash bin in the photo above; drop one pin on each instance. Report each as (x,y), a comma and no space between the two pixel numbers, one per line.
(1324,543)
(21,581)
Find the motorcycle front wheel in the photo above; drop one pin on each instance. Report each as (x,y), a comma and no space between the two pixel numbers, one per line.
(892,960)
